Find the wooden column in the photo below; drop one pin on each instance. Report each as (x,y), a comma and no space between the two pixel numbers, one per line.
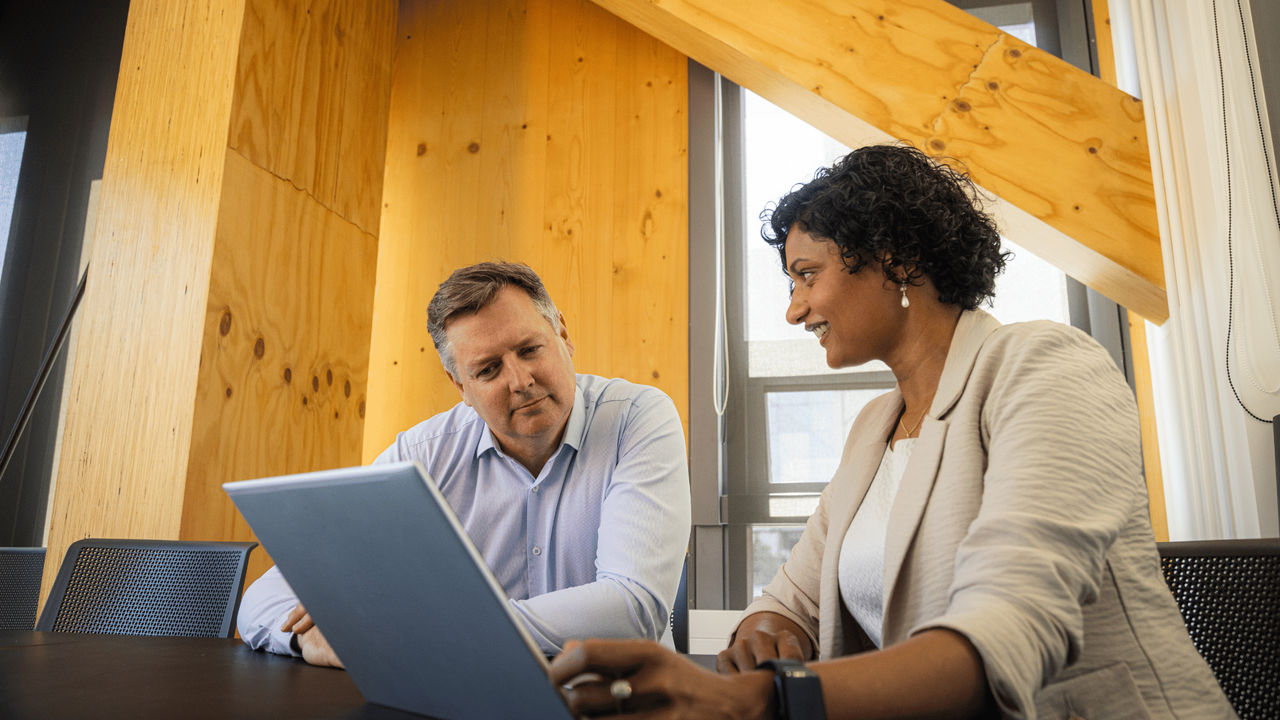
(225,328)
(547,132)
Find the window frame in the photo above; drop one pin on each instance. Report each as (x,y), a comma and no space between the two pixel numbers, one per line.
(729,451)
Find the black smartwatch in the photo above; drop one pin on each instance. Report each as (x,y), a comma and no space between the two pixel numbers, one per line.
(798,688)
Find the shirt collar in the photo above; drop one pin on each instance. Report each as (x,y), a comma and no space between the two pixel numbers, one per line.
(574,430)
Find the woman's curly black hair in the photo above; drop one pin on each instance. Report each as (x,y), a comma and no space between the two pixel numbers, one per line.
(894,205)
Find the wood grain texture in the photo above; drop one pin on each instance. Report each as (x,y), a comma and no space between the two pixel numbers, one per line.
(128,425)
(285,348)
(1105,44)
(215,269)
(540,131)
(1147,423)
(1065,147)
(311,97)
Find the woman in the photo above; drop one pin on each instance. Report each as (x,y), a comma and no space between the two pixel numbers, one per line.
(985,546)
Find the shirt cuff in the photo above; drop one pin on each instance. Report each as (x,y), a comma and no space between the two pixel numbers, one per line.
(283,643)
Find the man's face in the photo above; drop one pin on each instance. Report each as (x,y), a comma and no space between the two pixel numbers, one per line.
(512,367)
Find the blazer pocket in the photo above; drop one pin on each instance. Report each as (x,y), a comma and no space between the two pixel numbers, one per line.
(1108,693)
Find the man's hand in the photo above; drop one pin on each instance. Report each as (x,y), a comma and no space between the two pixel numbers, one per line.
(298,620)
(315,649)
(763,636)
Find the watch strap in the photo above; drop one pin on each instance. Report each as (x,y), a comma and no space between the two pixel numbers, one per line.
(798,689)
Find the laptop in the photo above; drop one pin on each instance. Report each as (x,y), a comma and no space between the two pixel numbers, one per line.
(380,561)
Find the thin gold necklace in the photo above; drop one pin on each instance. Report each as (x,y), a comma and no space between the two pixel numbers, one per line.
(910,431)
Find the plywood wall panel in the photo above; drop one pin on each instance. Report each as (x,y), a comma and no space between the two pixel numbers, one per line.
(213,269)
(536,131)
(128,426)
(362,144)
(285,349)
(649,317)
(312,76)
(577,261)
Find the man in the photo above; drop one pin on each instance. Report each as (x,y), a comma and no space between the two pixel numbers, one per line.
(574,488)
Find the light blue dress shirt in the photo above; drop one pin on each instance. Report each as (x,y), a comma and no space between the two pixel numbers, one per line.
(591,547)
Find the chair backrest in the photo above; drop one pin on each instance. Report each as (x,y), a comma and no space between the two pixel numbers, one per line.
(680,611)
(148,587)
(1229,595)
(20,574)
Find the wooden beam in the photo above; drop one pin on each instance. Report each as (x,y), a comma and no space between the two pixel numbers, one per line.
(1059,144)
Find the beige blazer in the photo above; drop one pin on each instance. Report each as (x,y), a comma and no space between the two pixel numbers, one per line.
(1021,522)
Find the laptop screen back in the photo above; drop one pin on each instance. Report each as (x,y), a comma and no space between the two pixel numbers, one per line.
(402,596)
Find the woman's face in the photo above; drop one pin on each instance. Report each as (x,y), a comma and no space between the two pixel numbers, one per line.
(857,317)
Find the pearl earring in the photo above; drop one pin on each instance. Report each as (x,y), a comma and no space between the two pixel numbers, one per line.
(905,302)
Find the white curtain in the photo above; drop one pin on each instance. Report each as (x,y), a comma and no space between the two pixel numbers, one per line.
(1220,234)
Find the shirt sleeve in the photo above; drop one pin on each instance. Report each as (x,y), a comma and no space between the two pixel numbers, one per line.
(1062,480)
(643,538)
(263,609)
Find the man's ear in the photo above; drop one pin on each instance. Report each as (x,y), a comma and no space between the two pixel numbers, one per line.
(456,384)
(564,335)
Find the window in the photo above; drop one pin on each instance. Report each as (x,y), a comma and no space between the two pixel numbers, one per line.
(13,139)
(798,411)
(786,415)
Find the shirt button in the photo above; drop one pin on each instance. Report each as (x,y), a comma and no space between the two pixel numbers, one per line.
(535,488)
(537,550)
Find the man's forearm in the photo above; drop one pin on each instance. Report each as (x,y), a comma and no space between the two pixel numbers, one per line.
(606,608)
(263,608)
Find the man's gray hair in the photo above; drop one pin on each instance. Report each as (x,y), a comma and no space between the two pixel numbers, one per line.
(470,289)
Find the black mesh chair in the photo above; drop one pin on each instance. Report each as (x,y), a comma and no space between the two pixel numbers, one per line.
(1229,595)
(20,574)
(148,587)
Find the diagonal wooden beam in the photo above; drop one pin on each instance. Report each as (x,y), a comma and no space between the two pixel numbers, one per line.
(1065,153)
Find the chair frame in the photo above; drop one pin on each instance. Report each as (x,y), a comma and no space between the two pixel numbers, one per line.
(49,616)
(1226,548)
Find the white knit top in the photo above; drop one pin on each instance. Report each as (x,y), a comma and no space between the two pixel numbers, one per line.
(861,572)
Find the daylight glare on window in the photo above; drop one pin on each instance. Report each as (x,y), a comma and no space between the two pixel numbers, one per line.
(11,146)
(781,152)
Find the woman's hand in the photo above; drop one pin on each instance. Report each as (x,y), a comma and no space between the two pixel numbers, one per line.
(763,636)
(661,683)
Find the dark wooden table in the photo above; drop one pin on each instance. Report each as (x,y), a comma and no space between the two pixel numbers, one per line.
(70,675)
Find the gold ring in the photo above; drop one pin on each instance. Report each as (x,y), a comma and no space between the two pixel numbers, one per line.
(620,689)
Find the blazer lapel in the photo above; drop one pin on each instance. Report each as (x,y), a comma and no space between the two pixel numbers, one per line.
(972,330)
